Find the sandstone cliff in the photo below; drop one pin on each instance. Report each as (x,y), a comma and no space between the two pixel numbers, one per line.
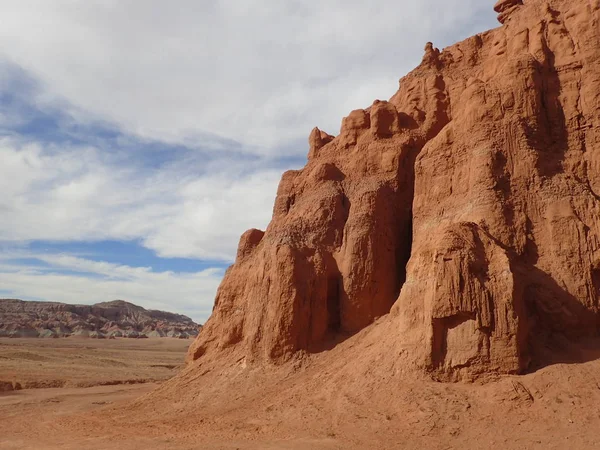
(108,319)
(465,209)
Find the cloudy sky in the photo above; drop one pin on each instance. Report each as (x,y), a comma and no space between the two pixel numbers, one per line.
(140,138)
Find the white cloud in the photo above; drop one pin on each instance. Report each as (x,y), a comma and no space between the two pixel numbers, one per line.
(262,72)
(74,194)
(188,293)
(247,76)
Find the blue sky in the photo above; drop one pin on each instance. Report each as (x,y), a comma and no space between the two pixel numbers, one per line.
(139,139)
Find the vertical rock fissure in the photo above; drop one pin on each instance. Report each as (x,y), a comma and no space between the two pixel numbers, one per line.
(404,252)
(333,303)
(405,241)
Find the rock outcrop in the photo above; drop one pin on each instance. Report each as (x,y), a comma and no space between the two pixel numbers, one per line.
(466,210)
(108,319)
(505,8)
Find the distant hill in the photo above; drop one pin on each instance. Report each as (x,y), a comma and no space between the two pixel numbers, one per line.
(116,318)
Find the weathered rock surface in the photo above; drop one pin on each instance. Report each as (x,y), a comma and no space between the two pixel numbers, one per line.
(465,209)
(505,8)
(116,318)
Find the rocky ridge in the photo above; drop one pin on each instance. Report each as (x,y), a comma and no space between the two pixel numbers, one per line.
(461,216)
(112,319)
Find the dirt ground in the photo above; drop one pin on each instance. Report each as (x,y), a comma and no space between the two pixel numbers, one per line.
(315,402)
(80,362)
(27,417)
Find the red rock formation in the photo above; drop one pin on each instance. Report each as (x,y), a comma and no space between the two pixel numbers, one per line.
(316,140)
(467,207)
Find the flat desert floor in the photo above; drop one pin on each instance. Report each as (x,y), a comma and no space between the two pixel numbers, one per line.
(82,362)
(313,403)
(70,376)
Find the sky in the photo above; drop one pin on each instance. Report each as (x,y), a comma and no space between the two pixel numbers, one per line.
(140,138)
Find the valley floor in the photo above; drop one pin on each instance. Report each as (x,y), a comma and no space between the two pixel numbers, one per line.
(317,402)
(84,362)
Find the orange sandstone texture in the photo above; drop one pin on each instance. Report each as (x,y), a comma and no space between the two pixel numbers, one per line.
(465,210)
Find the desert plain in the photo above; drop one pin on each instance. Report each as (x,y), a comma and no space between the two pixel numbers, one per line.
(80,362)
(313,402)
(61,377)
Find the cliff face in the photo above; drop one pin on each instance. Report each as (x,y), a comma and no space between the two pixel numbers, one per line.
(116,318)
(466,209)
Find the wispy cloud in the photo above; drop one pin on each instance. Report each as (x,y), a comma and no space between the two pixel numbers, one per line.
(76,193)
